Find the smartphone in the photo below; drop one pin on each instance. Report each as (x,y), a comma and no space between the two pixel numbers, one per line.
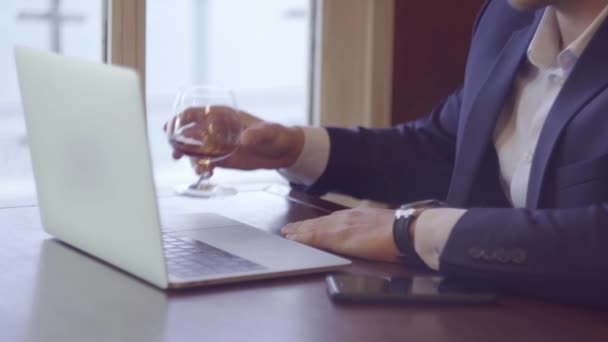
(346,288)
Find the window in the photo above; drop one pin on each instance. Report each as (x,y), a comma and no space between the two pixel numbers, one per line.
(257,48)
(262,49)
(71,27)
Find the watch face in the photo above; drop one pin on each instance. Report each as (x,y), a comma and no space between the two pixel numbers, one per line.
(404,212)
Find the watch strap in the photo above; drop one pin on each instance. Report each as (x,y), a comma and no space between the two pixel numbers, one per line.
(401,235)
(401,231)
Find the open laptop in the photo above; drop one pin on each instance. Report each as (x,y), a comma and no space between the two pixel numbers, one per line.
(91,161)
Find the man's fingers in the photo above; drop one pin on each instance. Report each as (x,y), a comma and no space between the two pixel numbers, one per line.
(311,229)
(290,228)
(341,212)
(300,227)
(259,134)
(177,155)
(247,119)
(305,238)
(232,162)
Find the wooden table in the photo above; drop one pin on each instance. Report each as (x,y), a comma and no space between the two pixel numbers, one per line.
(50,292)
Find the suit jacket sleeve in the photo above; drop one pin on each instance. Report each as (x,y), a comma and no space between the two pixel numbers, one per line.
(552,253)
(387,164)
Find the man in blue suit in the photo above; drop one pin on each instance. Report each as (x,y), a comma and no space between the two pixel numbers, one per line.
(518,156)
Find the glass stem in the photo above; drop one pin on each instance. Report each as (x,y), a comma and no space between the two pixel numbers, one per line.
(203,182)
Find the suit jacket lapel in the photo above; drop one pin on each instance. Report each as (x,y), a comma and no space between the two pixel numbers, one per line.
(476,136)
(589,77)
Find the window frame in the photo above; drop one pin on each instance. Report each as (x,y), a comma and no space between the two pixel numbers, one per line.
(124,41)
(353,62)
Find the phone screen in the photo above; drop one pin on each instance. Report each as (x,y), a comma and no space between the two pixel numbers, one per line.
(420,289)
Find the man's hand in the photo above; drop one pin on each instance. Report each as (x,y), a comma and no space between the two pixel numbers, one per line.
(362,232)
(262,145)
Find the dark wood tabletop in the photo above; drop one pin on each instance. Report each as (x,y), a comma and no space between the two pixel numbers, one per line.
(51,292)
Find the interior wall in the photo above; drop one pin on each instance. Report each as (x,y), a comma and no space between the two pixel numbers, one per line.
(431,40)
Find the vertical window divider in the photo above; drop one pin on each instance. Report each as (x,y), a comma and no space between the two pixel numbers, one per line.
(125,35)
(352,83)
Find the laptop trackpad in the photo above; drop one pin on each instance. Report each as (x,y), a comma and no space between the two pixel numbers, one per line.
(260,247)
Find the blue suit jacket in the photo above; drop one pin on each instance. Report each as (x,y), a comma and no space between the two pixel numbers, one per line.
(558,245)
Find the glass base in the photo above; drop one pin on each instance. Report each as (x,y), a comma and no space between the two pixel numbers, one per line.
(207,191)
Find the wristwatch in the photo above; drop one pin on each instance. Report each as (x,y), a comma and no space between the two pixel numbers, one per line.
(404,218)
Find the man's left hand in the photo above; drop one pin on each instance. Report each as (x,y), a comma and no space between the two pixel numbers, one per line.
(362,232)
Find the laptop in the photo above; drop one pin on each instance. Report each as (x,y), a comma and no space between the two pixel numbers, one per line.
(91,161)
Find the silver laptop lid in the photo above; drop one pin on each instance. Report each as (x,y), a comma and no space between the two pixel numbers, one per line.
(91,162)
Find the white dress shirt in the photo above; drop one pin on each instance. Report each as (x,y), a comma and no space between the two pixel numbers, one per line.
(535,89)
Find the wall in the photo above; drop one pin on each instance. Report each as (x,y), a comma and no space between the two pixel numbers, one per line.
(431,41)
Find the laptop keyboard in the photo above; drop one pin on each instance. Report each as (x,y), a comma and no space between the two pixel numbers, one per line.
(187,258)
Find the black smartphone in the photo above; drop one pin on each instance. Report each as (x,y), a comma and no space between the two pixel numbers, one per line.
(414,290)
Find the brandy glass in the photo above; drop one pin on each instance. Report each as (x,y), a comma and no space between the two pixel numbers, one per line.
(205,126)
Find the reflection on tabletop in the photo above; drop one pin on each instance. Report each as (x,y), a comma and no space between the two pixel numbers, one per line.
(69,284)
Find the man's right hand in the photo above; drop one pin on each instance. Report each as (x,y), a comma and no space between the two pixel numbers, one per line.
(262,145)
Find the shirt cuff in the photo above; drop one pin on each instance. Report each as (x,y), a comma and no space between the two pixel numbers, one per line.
(313,159)
(433,228)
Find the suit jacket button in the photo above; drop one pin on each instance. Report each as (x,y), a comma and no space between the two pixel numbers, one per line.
(519,256)
(476,252)
(502,255)
(491,256)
